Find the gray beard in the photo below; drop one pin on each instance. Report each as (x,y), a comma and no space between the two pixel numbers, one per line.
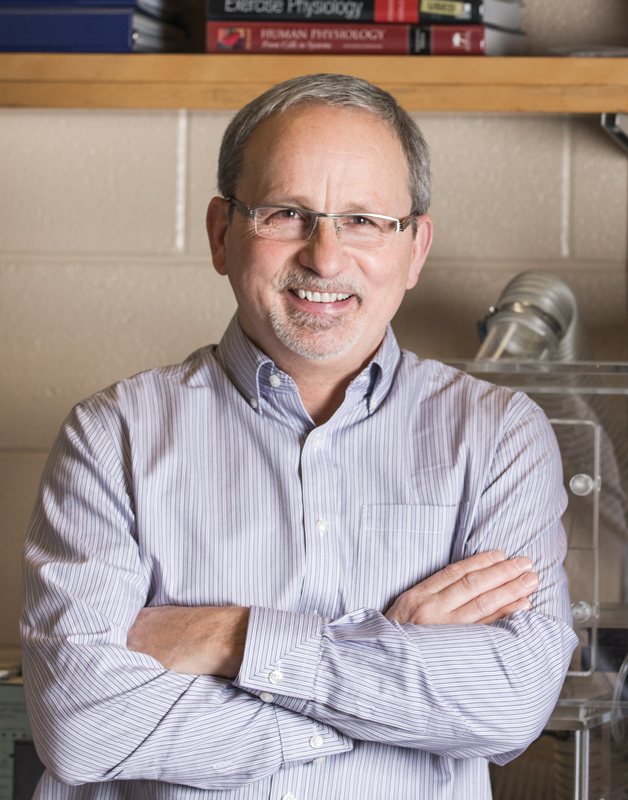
(290,325)
(290,331)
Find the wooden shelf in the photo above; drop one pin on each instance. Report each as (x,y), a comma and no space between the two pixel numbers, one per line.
(436,83)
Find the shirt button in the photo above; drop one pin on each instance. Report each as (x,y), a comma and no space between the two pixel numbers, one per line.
(322,525)
(267,697)
(317,443)
(275,677)
(318,760)
(275,381)
(316,741)
(289,796)
(254,402)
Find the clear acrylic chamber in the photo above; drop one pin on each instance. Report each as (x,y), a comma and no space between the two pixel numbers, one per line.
(583,753)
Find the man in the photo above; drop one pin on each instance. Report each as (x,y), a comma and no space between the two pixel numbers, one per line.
(236,574)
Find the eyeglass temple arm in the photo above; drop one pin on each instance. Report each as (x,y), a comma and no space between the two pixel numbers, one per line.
(403,223)
(241,207)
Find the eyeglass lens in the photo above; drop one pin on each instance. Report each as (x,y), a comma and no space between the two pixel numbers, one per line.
(296,225)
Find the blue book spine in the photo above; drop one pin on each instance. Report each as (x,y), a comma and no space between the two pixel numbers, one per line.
(66,30)
(27,4)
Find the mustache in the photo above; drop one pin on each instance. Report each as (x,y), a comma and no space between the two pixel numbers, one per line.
(314,283)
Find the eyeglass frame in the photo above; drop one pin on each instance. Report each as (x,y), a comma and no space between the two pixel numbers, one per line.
(249,213)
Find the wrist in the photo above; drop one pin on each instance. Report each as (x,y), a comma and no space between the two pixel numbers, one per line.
(227,653)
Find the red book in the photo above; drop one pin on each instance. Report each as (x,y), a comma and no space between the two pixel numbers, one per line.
(359,39)
(396,10)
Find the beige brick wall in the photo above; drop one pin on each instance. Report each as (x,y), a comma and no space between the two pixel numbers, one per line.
(105,270)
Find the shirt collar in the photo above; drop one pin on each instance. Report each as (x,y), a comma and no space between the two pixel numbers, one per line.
(376,380)
(242,361)
(252,371)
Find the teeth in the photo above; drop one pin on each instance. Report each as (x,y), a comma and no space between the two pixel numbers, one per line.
(325,297)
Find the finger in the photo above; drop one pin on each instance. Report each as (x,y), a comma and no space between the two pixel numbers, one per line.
(521,605)
(489,603)
(477,583)
(453,573)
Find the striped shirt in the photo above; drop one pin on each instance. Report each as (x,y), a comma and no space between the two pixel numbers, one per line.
(207,483)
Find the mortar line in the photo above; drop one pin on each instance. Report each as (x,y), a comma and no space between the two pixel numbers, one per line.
(181,187)
(565,190)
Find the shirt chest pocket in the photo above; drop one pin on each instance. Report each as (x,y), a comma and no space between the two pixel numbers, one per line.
(396,547)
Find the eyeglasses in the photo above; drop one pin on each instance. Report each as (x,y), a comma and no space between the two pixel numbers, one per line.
(289,224)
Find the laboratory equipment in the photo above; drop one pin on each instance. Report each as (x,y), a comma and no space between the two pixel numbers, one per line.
(535,342)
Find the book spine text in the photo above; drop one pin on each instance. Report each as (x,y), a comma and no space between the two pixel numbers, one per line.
(293,37)
(425,12)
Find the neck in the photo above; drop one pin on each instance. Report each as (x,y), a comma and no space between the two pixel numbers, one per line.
(322,389)
(322,383)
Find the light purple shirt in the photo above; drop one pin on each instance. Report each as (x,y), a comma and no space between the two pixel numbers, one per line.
(207,483)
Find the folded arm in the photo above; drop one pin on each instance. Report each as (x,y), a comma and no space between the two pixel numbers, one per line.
(210,640)
(409,678)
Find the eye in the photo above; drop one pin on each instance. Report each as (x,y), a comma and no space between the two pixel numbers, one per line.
(279,215)
(288,213)
(360,220)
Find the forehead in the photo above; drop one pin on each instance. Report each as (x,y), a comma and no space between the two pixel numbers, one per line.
(336,154)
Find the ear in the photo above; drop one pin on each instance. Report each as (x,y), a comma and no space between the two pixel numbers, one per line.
(217,228)
(420,248)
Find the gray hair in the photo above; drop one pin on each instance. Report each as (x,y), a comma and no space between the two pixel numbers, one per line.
(333,90)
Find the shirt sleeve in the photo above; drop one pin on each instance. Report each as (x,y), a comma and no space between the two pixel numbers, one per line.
(99,711)
(459,691)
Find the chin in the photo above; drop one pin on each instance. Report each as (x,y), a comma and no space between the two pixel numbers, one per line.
(311,339)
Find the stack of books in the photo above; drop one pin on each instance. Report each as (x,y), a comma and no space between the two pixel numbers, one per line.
(91,26)
(364,27)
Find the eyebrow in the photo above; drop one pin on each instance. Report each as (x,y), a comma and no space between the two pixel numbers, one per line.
(289,202)
(295,202)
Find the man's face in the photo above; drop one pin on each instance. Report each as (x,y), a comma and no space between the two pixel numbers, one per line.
(322,159)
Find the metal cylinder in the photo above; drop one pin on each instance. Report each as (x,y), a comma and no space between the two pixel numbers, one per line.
(536,317)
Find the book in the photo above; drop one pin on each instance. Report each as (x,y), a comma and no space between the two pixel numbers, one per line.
(92,29)
(312,37)
(165,9)
(497,13)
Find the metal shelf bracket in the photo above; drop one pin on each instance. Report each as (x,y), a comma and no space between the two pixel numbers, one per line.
(616,125)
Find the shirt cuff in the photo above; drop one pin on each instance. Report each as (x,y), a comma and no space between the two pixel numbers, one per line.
(281,656)
(302,739)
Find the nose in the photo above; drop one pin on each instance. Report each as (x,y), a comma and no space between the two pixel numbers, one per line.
(323,253)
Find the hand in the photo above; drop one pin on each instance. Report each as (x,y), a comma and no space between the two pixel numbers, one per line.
(483,588)
(203,640)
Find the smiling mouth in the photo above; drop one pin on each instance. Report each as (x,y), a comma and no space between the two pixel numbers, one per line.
(321,297)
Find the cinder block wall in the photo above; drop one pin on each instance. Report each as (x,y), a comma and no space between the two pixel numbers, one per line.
(105,268)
